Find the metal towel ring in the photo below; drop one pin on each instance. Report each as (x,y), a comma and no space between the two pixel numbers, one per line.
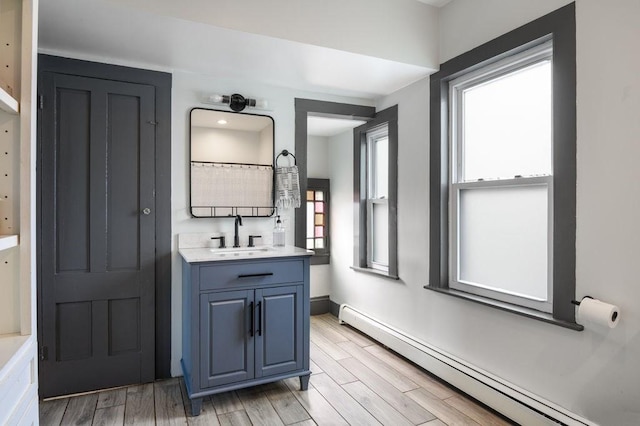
(286,153)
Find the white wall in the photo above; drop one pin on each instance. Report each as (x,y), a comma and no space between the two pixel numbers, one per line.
(318,167)
(595,374)
(318,157)
(467,24)
(187,93)
(401,303)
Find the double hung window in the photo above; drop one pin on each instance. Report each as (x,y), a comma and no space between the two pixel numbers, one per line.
(503,172)
(501,139)
(375,184)
(378,199)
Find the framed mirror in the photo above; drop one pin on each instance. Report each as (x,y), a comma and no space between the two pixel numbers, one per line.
(231,170)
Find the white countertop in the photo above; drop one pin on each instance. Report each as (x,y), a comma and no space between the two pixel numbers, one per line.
(206,254)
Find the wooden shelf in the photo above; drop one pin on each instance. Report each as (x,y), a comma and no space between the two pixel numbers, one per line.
(8,103)
(8,241)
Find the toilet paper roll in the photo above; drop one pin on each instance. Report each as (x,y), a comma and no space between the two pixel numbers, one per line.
(597,312)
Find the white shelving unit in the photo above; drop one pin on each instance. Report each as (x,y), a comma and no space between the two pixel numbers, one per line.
(7,102)
(8,241)
(18,346)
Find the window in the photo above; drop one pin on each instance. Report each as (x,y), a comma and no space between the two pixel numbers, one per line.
(502,178)
(378,199)
(375,183)
(317,234)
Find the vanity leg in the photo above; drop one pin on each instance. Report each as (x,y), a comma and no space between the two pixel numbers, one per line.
(196,406)
(304,382)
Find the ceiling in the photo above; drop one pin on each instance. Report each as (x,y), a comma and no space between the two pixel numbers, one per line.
(115,32)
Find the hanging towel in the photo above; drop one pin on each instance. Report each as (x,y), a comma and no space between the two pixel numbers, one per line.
(287,187)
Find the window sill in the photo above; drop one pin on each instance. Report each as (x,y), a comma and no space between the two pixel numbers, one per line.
(518,310)
(375,272)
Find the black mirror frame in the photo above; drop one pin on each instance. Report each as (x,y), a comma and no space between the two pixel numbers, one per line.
(272,211)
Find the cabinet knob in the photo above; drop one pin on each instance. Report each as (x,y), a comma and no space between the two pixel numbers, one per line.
(146,211)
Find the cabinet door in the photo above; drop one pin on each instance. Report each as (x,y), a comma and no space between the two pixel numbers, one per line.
(226,341)
(279,330)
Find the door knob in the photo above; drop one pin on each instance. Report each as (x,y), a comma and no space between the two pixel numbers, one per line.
(146,211)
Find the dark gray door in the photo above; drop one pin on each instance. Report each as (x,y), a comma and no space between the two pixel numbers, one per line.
(226,337)
(279,330)
(97,234)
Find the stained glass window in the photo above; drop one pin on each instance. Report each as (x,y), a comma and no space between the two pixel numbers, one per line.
(317,229)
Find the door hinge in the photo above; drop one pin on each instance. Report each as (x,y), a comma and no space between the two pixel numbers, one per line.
(41,102)
(44,353)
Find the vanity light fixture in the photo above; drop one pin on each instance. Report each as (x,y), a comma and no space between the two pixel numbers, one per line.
(237,102)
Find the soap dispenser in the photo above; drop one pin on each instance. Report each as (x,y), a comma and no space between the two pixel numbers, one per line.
(278,233)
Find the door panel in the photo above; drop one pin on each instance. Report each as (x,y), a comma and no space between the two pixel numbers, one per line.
(97,248)
(279,330)
(72,177)
(226,344)
(123,123)
(74,338)
(124,326)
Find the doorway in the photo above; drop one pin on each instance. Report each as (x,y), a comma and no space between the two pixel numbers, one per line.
(320,119)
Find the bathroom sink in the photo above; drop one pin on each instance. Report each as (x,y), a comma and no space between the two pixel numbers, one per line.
(239,251)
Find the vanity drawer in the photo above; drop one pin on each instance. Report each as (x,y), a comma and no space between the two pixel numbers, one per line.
(250,273)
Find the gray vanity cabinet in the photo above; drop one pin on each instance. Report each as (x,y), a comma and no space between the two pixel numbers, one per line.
(245,322)
(224,321)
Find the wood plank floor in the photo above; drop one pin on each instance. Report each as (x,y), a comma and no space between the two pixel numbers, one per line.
(354,381)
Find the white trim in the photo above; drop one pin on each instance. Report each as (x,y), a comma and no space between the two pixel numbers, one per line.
(540,53)
(485,290)
(380,132)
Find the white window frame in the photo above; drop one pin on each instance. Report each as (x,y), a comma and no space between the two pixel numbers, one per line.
(498,69)
(372,137)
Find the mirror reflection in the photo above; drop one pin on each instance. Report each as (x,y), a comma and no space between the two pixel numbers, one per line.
(231,164)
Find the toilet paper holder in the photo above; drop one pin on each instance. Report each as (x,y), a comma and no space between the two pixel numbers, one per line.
(577,303)
(613,317)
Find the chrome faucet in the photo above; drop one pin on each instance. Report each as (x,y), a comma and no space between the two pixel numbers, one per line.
(236,237)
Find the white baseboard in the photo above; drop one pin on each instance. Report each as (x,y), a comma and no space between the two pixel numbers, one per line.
(508,399)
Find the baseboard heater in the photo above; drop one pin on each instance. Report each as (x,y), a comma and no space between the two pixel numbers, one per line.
(506,398)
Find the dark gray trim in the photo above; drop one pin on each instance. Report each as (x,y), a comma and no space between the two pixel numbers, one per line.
(375,272)
(320,259)
(335,309)
(320,305)
(388,116)
(561,26)
(305,107)
(322,256)
(507,307)
(162,84)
